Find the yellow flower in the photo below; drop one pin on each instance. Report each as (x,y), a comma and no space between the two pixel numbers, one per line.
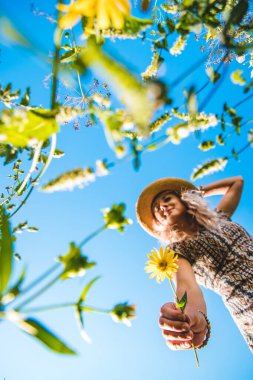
(107,13)
(162,264)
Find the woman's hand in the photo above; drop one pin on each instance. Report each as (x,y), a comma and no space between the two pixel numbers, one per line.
(180,330)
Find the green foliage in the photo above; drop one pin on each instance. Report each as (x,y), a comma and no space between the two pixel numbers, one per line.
(132,28)
(181,304)
(131,92)
(225,25)
(75,265)
(86,289)
(15,290)
(41,333)
(22,128)
(23,226)
(6,94)
(9,152)
(6,250)
(213,75)
(207,145)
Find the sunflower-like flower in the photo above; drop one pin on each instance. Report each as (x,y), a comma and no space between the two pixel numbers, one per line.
(162,263)
(106,12)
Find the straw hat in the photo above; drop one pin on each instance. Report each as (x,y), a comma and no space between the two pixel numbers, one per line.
(144,203)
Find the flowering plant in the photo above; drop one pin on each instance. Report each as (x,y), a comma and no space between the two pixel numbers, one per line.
(163,263)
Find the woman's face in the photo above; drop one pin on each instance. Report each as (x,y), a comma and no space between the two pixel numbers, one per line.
(168,209)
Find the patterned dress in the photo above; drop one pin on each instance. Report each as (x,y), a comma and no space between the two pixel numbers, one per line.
(223,262)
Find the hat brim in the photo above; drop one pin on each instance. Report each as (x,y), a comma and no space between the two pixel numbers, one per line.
(143,207)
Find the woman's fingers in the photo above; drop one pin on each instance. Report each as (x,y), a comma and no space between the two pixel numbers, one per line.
(176,327)
(177,345)
(177,336)
(170,312)
(173,325)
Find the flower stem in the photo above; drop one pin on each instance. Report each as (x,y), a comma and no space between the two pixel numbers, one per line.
(49,307)
(182,309)
(23,202)
(33,167)
(38,293)
(94,309)
(64,305)
(91,236)
(39,279)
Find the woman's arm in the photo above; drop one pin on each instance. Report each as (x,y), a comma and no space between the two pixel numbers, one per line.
(179,329)
(230,188)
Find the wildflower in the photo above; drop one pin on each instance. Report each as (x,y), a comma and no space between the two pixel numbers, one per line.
(209,167)
(178,46)
(75,265)
(157,124)
(123,312)
(101,100)
(114,217)
(162,263)
(101,168)
(237,78)
(120,151)
(106,12)
(68,180)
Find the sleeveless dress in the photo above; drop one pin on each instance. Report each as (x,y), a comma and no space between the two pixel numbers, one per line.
(223,262)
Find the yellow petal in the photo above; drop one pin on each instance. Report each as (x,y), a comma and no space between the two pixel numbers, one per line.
(86,7)
(63,7)
(123,5)
(69,20)
(117,18)
(103,19)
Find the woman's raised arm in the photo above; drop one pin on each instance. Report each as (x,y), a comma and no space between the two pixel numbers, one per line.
(230,188)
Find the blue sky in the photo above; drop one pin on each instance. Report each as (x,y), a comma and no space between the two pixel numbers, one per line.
(117,352)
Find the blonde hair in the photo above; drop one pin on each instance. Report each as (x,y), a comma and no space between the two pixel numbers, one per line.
(199,215)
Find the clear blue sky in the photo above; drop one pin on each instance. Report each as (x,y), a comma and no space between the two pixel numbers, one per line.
(117,352)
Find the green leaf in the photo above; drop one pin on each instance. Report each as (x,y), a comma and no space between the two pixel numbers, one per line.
(192,102)
(40,332)
(207,145)
(22,128)
(15,289)
(9,152)
(235,154)
(230,111)
(248,87)
(69,56)
(11,34)
(212,74)
(236,121)
(181,304)
(220,139)
(26,98)
(6,250)
(86,289)
(80,320)
(237,12)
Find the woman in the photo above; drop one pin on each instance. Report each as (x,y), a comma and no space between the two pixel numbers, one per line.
(213,251)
